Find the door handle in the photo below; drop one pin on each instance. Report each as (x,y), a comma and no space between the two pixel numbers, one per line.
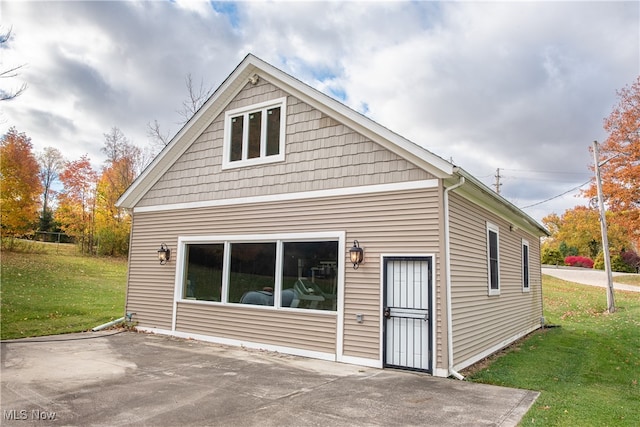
(387,312)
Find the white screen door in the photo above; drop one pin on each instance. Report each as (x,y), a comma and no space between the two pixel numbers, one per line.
(406,311)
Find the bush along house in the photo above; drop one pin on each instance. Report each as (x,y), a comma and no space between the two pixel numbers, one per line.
(289,222)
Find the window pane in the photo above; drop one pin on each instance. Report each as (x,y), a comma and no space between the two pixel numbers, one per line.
(255,128)
(493,259)
(236,138)
(273,131)
(525,265)
(252,273)
(309,275)
(203,277)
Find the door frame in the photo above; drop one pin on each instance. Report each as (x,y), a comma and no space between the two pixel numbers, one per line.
(432,313)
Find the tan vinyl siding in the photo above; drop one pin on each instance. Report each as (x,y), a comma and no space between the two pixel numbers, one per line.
(250,324)
(394,222)
(320,154)
(481,321)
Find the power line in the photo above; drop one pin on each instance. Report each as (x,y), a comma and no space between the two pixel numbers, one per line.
(555,197)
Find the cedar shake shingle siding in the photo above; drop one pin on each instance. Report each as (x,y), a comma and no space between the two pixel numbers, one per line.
(320,154)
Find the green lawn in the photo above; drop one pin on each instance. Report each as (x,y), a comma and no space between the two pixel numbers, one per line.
(56,291)
(587,369)
(631,279)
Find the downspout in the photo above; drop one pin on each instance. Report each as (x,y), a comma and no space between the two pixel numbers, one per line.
(447,257)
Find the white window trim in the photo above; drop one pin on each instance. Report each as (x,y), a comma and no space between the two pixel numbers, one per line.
(493,228)
(526,279)
(262,106)
(279,239)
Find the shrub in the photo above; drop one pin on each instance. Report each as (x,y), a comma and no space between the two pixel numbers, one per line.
(623,262)
(631,259)
(578,261)
(552,257)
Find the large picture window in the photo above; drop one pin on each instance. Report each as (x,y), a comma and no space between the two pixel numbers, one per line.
(493,258)
(255,134)
(279,274)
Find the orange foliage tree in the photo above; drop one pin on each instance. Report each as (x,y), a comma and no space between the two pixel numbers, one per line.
(76,202)
(112,223)
(19,184)
(579,228)
(620,162)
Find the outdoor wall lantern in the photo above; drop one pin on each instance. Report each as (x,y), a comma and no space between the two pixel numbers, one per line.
(356,254)
(164,254)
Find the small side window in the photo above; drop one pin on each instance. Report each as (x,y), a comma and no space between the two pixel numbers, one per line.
(525,266)
(493,258)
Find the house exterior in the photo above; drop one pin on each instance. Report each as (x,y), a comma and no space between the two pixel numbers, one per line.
(260,199)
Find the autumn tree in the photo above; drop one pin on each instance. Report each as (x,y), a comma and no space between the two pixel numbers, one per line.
(76,202)
(620,162)
(121,168)
(19,184)
(579,228)
(51,163)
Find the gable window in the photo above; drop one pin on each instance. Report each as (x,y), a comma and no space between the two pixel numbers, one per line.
(255,134)
(525,266)
(493,258)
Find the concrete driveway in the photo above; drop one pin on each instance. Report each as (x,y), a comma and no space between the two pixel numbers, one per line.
(133,379)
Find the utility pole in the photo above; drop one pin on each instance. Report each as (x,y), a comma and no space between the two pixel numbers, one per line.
(603,227)
(498,184)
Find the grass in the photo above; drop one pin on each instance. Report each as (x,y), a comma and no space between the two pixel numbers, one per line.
(587,370)
(631,279)
(50,289)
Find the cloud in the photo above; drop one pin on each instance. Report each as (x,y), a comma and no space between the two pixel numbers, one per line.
(521,86)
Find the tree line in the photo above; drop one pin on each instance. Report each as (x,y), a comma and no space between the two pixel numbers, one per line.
(83,209)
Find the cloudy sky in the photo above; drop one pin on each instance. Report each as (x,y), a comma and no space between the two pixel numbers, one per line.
(520,86)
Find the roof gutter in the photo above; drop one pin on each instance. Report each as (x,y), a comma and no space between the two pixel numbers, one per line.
(447,255)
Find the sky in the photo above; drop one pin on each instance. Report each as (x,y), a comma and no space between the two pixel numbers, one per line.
(522,87)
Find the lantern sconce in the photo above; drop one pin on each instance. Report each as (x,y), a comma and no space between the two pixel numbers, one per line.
(164,254)
(356,254)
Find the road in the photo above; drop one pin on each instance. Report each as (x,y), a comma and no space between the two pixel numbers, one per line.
(587,276)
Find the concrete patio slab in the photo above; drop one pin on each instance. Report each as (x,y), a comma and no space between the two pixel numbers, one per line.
(134,379)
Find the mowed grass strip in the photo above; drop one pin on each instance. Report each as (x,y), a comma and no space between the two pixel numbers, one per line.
(631,279)
(57,291)
(587,370)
